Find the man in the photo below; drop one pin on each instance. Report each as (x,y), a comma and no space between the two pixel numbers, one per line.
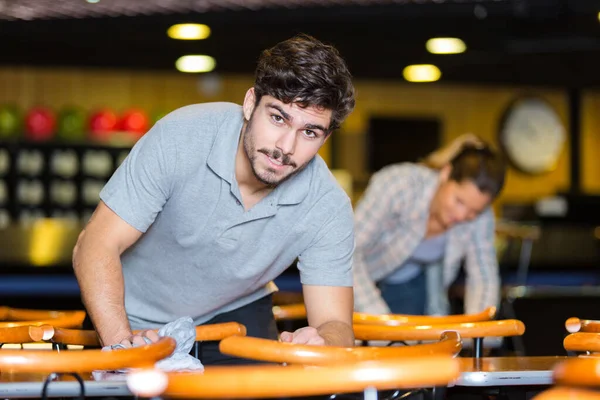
(216,200)
(414,226)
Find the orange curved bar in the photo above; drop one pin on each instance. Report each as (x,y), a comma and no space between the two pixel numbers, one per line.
(216,331)
(269,381)
(24,317)
(567,393)
(575,324)
(219,331)
(85,360)
(508,327)
(274,351)
(80,337)
(399,319)
(289,312)
(582,341)
(19,334)
(54,334)
(298,311)
(25,314)
(578,371)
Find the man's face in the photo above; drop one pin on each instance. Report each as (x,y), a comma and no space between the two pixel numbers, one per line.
(457,202)
(280,139)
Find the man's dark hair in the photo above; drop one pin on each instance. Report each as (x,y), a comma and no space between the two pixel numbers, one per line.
(482,165)
(305,71)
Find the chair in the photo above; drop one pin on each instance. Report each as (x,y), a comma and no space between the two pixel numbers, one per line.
(11,317)
(575,324)
(578,372)
(474,330)
(582,342)
(273,351)
(403,320)
(219,331)
(289,312)
(30,365)
(525,234)
(84,360)
(298,311)
(576,378)
(61,336)
(20,335)
(567,393)
(212,332)
(274,381)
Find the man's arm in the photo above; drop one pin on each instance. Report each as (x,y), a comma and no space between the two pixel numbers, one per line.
(482,280)
(367,296)
(97,265)
(130,202)
(329,311)
(377,214)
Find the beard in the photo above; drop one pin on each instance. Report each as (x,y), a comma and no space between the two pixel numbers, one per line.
(267,176)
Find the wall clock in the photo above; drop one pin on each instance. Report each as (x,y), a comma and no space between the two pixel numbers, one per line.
(532,135)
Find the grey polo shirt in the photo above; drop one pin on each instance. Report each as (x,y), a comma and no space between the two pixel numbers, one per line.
(201,253)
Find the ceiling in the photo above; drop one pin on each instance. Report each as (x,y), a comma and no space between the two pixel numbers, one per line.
(533,42)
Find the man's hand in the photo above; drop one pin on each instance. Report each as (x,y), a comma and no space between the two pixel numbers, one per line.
(139,339)
(464,140)
(306,335)
(444,155)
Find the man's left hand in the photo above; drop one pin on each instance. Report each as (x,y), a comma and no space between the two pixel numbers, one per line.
(306,335)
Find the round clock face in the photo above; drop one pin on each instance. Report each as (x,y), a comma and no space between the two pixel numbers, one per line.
(532,136)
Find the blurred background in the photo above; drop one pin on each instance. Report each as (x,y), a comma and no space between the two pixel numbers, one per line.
(81,81)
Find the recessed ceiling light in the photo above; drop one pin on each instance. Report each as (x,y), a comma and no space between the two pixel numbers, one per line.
(195,63)
(93,1)
(421,73)
(445,45)
(189,31)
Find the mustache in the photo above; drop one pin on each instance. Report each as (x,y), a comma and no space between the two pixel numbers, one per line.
(276,155)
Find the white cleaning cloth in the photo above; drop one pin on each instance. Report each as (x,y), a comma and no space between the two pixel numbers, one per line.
(183,331)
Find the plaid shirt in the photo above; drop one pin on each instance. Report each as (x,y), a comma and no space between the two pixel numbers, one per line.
(391,221)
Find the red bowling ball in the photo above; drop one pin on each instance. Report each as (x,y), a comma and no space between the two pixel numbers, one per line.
(102,124)
(135,121)
(40,124)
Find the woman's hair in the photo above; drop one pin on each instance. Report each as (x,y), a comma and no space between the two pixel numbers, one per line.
(482,165)
(304,71)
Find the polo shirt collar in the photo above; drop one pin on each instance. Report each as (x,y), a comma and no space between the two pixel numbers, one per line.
(221,158)
(295,189)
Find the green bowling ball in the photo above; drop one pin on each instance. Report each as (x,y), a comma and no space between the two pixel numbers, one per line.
(71,124)
(11,122)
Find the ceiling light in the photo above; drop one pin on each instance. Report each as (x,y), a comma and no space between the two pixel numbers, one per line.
(421,73)
(93,1)
(445,45)
(195,63)
(189,31)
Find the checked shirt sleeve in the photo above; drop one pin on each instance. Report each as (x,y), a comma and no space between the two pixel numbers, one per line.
(374,217)
(482,280)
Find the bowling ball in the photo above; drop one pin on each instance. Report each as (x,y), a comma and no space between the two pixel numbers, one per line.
(40,124)
(102,124)
(135,121)
(11,121)
(71,124)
